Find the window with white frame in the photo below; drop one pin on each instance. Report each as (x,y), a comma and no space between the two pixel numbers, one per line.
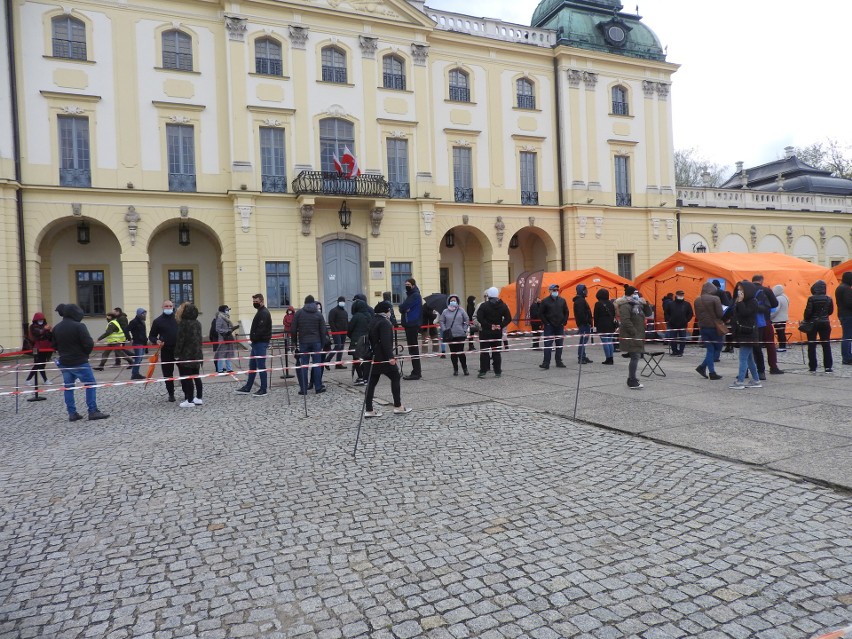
(333,65)
(462,174)
(180,141)
(177,50)
(273,172)
(74,160)
(526,95)
(267,57)
(459,86)
(69,37)
(399,186)
(529,178)
(393,72)
(619,101)
(622,181)
(336,135)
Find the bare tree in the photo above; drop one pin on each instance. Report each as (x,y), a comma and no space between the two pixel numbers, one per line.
(828,156)
(691,169)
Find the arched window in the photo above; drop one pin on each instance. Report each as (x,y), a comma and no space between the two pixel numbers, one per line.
(619,101)
(177,50)
(336,135)
(69,38)
(333,65)
(267,57)
(394,72)
(459,88)
(526,96)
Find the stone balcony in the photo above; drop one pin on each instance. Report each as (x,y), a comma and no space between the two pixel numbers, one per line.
(491,28)
(762,200)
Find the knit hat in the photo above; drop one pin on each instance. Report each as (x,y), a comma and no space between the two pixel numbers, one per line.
(629,290)
(140,311)
(383,307)
(341,298)
(492,292)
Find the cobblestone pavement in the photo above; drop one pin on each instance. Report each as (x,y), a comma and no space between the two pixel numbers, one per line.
(243,518)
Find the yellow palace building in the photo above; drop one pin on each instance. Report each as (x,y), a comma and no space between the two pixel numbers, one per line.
(189,149)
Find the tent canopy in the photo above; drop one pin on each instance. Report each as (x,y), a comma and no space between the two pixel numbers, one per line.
(840,269)
(594,278)
(689,271)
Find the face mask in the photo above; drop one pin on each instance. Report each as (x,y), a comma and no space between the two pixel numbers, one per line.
(635,296)
(554,294)
(168,311)
(679,298)
(454,304)
(40,322)
(342,304)
(256,304)
(408,289)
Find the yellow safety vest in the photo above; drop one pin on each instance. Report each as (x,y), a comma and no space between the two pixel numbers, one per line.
(118,336)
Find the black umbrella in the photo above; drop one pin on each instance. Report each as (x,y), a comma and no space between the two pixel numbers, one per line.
(436,301)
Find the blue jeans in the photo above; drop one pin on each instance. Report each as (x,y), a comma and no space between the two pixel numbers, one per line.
(337,349)
(139,353)
(606,342)
(713,343)
(310,352)
(257,359)
(846,336)
(551,334)
(84,373)
(678,340)
(584,337)
(747,363)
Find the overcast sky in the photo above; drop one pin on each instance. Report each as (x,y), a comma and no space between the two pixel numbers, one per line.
(755,76)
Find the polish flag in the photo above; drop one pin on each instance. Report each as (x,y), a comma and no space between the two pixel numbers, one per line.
(337,165)
(351,164)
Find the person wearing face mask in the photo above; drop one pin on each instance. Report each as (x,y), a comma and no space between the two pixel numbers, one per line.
(744,314)
(632,310)
(583,317)
(225,335)
(678,315)
(493,316)
(605,324)
(412,314)
(39,336)
(164,334)
(139,338)
(380,334)
(454,322)
(259,334)
(338,324)
(554,316)
(289,314)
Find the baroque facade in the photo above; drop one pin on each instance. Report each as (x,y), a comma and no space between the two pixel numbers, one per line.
(187,149)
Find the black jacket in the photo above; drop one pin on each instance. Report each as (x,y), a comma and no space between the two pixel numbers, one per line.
(359,323)
(124,324)
(261,326)
(843,295)
(188,343)
(679,313)
(164,328)
(744,317)
(582,311)
(554,311)
(338,320)
(380,334)
(535,314)
(71,338)
(309,326)
(138,332)
(604,316)
(820,306)
(493,312)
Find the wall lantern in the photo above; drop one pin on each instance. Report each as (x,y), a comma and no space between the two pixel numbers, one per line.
(699,247)
(183,234)
(514,242)
(450,239)
(345,215)
(84,235)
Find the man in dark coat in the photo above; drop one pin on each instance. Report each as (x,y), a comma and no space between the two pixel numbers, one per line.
(309,331)
(358,326)
(139,338)
(412,314)
(766,301)
(678,315)
(554,315)
(535,322)
(583,317)
(338,324)
(164,334)
(493,315)
(260,334)
(380,334)
(73,345)
(843,297)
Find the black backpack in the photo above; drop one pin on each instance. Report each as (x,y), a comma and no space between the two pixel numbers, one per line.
(214,334)
(364,349)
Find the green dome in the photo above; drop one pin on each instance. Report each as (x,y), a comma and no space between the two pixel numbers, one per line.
(598,25)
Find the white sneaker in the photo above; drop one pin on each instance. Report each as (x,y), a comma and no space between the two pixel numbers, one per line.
(737,385)
(186,404)
(198,401)
(372,413)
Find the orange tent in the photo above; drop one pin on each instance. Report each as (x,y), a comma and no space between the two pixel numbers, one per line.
(840,269)
(594,278)
(689,271)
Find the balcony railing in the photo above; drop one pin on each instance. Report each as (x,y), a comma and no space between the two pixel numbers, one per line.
(459,94)
(463,194)
(399,190)
(273,183)
(623,199)
(394,81)
(334,74)
(330,183)
(620,108)
(268,66)
(71,49)
(75,177)
(526,101)
(529,198)
(182,182)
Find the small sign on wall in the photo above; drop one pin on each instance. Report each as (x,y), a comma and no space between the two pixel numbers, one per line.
(377,273)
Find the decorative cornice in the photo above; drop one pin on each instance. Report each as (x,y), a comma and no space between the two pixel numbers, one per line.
(590,80)
(419,53)
(298,36)
(663,90)
(574,77)
(236,28)
(649,88)
(78,97)
(369,45)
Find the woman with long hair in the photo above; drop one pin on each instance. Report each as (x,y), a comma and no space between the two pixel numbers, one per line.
(188,353)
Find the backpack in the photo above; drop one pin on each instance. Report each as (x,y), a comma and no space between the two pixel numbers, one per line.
(363,349)
(214,334)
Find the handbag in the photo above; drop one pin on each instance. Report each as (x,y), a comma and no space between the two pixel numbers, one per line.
(447,335)
(721,329)
(806,326)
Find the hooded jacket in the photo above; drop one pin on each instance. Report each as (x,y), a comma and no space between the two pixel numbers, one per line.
(631,323)
(380,334)
(188,342)
(780,313)
(604,313)
(71,338)
(39,334)
(359,323)
(582,310)
(138,334)
(412,309)
(456,321)
(744,317)
(708,307)
(820,306)
(309,326)
(843,295)
(289,314)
